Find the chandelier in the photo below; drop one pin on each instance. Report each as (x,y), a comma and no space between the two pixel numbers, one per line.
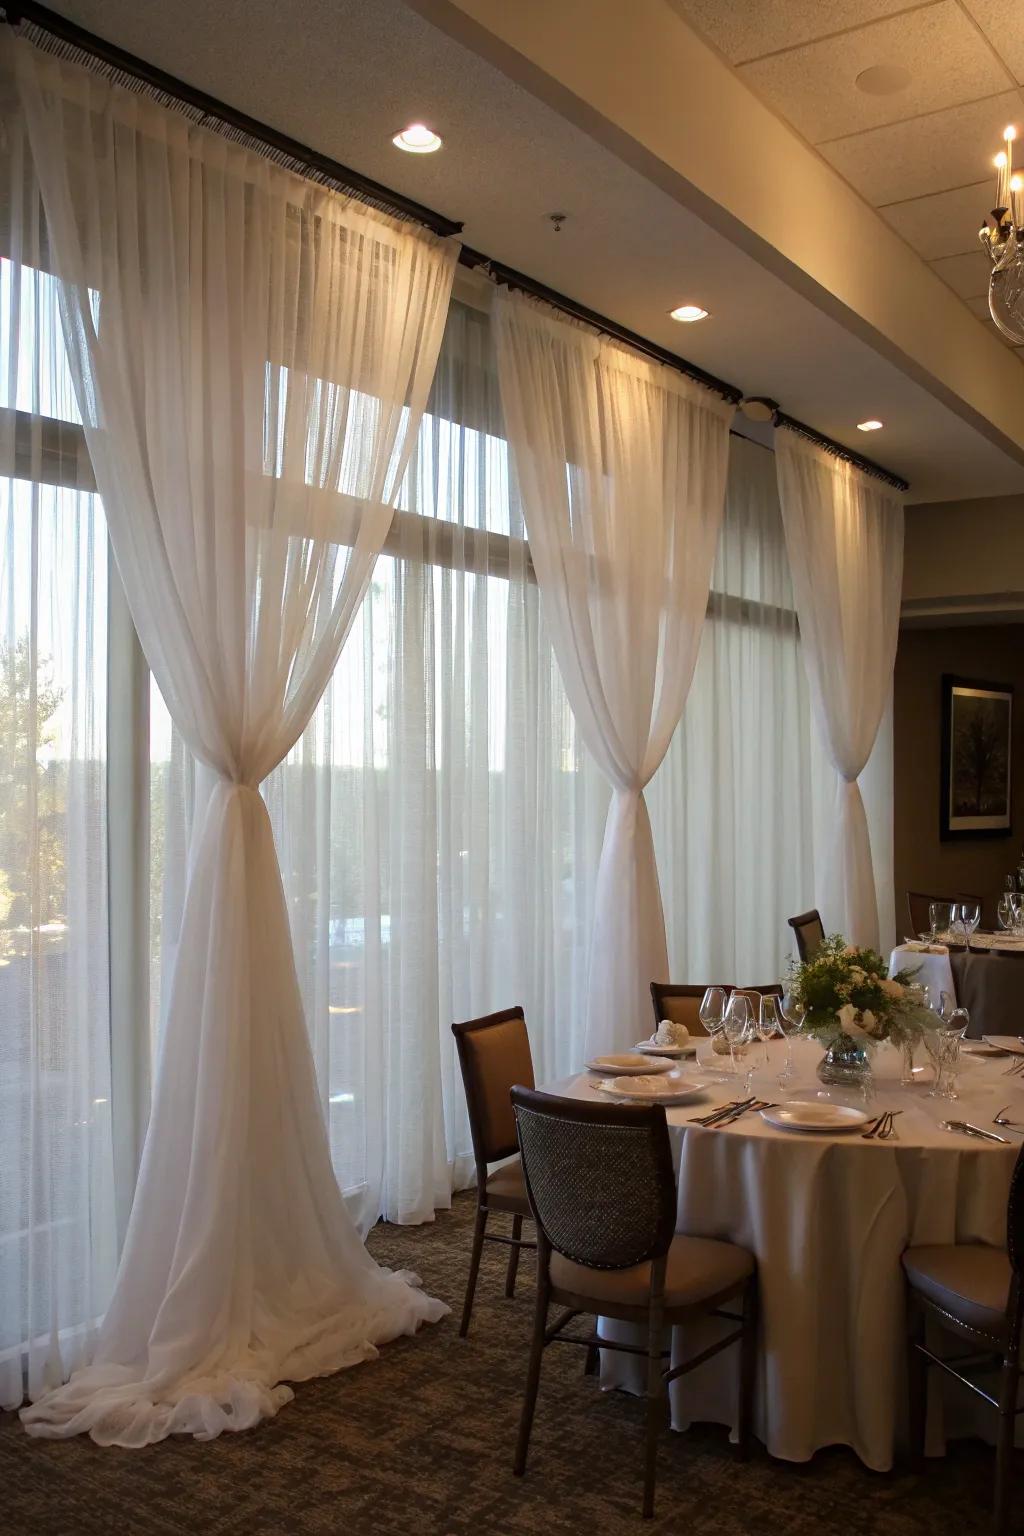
(1003,239)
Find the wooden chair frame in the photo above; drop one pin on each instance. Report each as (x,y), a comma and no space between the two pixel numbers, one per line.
(486,1201)
(656,1314)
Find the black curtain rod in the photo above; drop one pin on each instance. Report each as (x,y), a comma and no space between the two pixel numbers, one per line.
(322,166)
(119,59)
(830,445)
(510,278)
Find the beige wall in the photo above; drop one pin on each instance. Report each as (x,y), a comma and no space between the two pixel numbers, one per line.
(923,863)
(964,549)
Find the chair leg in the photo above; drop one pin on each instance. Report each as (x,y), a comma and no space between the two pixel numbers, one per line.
(592,1361)
(1004,1444)
(540,1322)
(513,1256)
(474,1268)
(917,1384)
(748,1368)
(656,1391)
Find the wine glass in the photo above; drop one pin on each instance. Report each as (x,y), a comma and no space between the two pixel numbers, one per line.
(712,1011)
(740,1033)
(1017,910)
(940,917)
(1004,911)
(947,1005)
(970,917)
(769,1021)
(792,1014)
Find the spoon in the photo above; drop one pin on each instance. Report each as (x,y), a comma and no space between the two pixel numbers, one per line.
(1001,1119)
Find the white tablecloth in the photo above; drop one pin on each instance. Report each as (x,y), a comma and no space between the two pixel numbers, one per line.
(828,1218)
(931,970)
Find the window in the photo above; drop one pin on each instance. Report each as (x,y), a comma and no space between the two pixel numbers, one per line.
(57,1221)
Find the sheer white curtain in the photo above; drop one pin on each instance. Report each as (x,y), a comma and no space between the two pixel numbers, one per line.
(438,823)
(621,465)
(731,806)
(250,391)
(844,536)
(58,1239)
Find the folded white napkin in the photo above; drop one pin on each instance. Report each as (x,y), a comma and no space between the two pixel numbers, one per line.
(671,1033)
(916,947)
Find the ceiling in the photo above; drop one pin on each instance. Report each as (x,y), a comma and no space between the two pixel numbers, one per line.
(920,150)
(344,75)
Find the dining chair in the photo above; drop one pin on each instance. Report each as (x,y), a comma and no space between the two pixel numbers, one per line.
(601,1186)
(680,1003)
(809,932)
(918,903)
(974,1292)
(755,994)
(494,1053)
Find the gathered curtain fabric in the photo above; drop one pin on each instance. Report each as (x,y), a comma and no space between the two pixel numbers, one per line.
(621,468)
(251,356)
(844,537)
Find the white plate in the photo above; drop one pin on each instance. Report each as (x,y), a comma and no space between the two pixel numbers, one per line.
(632,1065)
(816,1117)
(651,1048)
(1008,1044)
(653,1090)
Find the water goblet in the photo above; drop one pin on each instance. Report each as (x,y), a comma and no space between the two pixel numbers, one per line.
(792,1014)
(712,1015)
(970,917)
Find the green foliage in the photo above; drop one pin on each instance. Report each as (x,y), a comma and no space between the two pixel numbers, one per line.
(32,795)
(847,990)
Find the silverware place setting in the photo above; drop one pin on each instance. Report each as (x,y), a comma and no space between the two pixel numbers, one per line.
(727,1113)
(965,1128)
(882,1129)
(1000,1119)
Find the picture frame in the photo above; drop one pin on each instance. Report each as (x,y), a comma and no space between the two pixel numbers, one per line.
(977,759)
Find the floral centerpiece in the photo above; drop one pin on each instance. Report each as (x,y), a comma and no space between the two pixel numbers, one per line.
(850,1003)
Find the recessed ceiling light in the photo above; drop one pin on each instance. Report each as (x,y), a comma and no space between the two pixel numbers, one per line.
(689,313)
(870,426)
(417,139)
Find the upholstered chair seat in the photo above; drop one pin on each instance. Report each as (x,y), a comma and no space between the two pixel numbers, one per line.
(968,1281)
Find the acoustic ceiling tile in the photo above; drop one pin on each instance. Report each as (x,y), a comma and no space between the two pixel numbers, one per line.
(945,60)
(944,150)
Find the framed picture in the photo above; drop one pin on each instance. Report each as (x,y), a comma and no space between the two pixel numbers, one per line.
(977,723)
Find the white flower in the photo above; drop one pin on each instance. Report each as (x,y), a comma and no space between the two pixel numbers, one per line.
(892,988)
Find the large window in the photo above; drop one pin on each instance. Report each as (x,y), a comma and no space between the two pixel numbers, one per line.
(439,824)
(57,1228)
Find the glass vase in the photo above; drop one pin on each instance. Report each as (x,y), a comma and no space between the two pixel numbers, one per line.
(845,1064)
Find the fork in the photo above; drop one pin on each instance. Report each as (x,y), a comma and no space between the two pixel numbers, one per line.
(1015,1068)
(721,1112)
(874,1128)
(754,1107)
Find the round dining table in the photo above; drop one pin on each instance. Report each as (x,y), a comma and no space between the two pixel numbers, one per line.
(827,1217)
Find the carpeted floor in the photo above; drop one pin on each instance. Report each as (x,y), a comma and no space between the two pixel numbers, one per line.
(420,1441)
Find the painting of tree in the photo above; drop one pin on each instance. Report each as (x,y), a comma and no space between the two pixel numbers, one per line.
(977,721)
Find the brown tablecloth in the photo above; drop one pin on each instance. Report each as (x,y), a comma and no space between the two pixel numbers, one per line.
(991,988)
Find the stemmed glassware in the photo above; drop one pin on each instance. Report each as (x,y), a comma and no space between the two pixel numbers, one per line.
(712,1011)
(791,1016)
(769,1021)
(1017,911)
(740,1033)
(1004,911)
(943,1046)
(970,917)
(940,918)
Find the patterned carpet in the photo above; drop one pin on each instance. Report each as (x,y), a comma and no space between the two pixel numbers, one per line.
(421,1441)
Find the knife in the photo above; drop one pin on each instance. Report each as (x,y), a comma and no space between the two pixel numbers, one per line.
(975,1130)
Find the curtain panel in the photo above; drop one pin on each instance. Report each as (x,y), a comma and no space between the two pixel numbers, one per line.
(621,467)
(844,537)
(251,357)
